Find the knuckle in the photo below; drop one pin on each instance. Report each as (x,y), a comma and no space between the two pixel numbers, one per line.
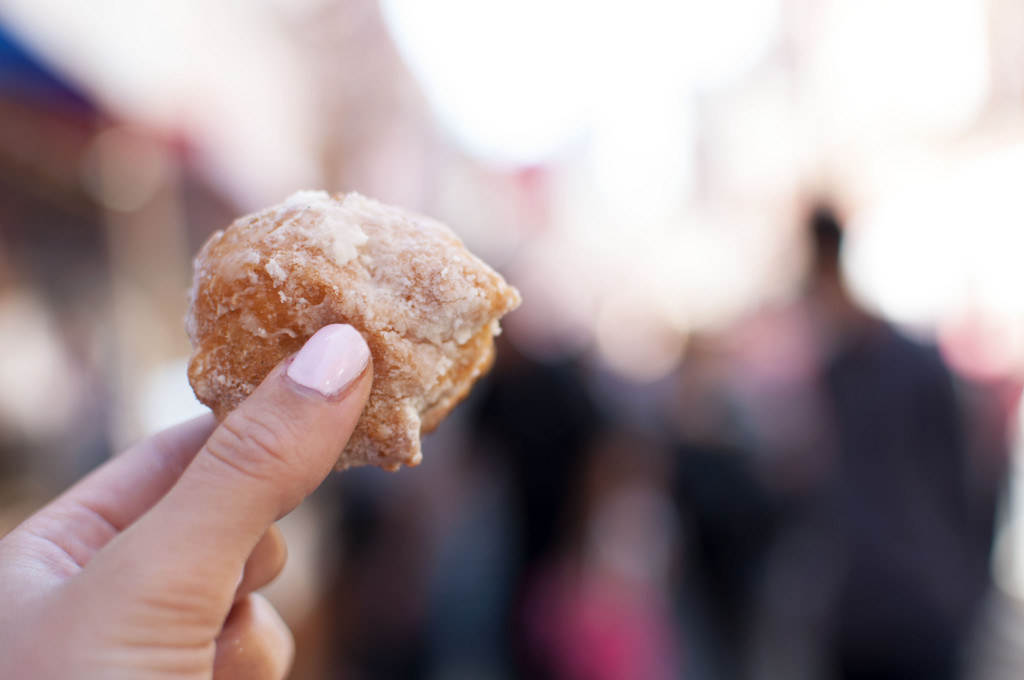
(167,609)
(254,447)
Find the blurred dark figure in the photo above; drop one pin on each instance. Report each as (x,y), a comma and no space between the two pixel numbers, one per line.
(378,594)
(600,609)
(728,513)
(893,503)
(540,420)
(437,587)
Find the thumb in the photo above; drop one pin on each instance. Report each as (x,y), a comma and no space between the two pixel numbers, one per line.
(260,462)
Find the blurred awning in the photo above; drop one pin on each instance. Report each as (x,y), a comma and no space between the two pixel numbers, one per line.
(23,76)
(223,75)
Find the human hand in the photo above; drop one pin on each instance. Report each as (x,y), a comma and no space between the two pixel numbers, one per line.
(146,568)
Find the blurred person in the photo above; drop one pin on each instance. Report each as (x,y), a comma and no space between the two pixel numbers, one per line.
(377,593)
(599,608)
(472,569)
(898,493)
(428,591)
(876,564)
(538,420)
(541,418)
(727,513)
(147,567)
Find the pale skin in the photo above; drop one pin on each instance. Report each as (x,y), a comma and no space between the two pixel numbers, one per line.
(147,568)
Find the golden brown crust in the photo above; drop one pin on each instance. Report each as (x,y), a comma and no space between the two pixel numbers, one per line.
(427,308)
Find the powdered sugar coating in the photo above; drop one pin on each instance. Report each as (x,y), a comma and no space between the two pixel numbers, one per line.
(427,307)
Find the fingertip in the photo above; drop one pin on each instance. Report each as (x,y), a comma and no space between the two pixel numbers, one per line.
(255,643)
(264,564)
(330,361)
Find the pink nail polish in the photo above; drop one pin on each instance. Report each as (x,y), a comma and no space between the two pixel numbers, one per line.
(330,360)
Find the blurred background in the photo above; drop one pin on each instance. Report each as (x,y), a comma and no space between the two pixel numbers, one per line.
(758,416)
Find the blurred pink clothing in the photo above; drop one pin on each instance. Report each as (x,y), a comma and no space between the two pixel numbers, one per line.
(596,627)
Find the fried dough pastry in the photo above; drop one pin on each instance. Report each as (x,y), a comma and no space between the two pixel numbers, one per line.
(426,306)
